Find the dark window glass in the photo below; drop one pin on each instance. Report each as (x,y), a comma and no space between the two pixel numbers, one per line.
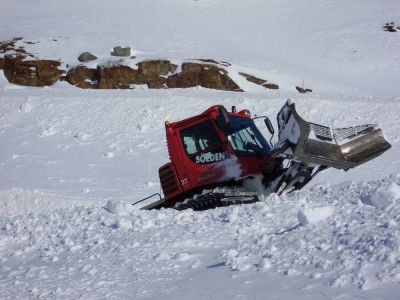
(199,137)
(245,138)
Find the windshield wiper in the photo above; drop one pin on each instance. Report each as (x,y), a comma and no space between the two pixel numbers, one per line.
(259,148)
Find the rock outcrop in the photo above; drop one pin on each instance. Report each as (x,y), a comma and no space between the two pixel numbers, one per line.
(117,77)
(113,77)
(154,72)
(271,86)
(8,46)
(23,68)
(391,27)
(259,81)
(303,90)
(83,77)
(205,75)
(17,70)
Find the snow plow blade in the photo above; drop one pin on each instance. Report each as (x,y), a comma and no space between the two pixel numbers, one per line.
(316,145)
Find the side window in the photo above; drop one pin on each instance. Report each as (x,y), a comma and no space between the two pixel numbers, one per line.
(199,137)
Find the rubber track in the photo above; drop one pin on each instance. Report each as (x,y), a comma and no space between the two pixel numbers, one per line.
(214,199)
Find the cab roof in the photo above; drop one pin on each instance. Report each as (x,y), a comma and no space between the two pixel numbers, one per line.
(212,109)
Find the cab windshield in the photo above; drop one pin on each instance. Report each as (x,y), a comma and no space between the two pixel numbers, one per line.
(245,138)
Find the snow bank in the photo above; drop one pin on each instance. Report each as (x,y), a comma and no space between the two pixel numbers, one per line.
(350,238)
(18,201)
(66,250)
(384,197)
(314,215)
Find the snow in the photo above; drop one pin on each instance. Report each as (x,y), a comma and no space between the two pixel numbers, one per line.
(312,215)
(72,161)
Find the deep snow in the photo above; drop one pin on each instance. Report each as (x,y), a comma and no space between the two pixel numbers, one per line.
(72,161)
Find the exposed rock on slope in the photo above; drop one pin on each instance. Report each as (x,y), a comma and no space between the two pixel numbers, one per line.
(32,72)
(154,72)
(83,77)
(259,81)
(391,27)
(303,90)
(121,74)
(205,75)
(116,77)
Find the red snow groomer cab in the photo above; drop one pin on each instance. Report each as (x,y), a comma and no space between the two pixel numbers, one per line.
(216,152)
(215,148)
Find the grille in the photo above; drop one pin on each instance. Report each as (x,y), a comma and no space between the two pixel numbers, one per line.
(321,132)
(168,179)
(341,134)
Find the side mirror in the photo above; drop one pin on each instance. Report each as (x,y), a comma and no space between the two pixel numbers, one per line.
(268,123)
(223,119)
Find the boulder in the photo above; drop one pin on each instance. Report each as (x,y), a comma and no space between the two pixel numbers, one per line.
(1,63)
(119,51)
(155,68)
(205,75)
(303,90)
(253,79)
(154,72)
(86,56)
(83,77)
(209,60)
(104,77)
(271,86)
(259,81)
(31,73)
(391,27)
(117,77)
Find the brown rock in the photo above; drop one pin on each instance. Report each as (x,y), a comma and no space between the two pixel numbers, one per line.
(302,90)
(391,27)
(155,68)
(153,72)
(157,83)
(83,77)
(259,81)
(31,73)
(1,63)
(271,86)
(117,77)
(205,75)
(253,79)
(208,60)
(6,46)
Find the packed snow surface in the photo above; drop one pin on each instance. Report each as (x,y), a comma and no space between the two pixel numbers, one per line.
(72,161)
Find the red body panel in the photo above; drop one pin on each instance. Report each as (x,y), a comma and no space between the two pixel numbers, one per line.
(191,172)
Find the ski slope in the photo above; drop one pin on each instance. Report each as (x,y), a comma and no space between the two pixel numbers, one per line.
(72,161)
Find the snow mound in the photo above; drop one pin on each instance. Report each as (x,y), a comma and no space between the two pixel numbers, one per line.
(314,215)
(384,197)
(350,242)
(350,238)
